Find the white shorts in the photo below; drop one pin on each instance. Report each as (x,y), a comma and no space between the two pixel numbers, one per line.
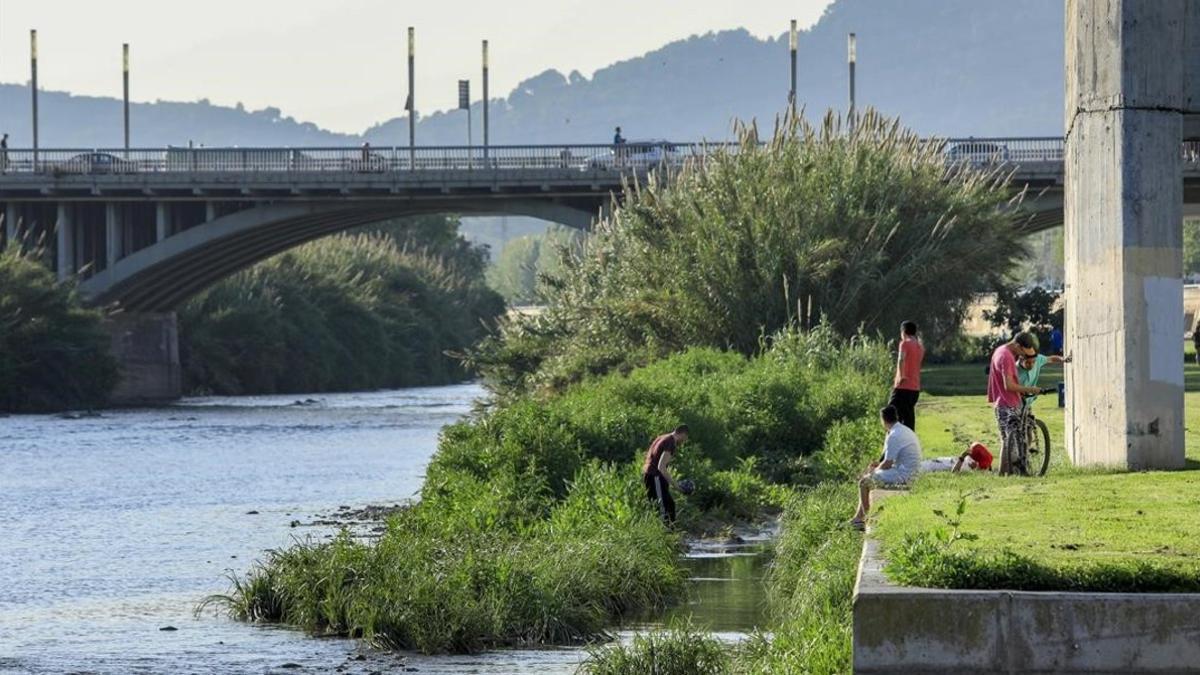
(889,478)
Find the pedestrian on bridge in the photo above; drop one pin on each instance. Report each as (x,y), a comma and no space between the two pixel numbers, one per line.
(4,154)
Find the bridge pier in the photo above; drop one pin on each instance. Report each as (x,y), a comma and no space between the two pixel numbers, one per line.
(1123,214)
(146,346)
(64,229)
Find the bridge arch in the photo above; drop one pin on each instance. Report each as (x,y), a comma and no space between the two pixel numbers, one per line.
(160,277)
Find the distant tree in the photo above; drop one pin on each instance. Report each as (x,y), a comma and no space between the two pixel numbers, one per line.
(1191,246)
(524,260)
(54,354)
(1030,309)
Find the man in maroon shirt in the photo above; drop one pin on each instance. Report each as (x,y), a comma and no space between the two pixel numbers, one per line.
(655,474)
(1004,392)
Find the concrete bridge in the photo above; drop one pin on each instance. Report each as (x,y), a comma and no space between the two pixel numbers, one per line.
(148,228)
(145,229)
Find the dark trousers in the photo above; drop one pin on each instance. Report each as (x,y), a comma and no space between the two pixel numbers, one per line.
(905,403)
(658,491)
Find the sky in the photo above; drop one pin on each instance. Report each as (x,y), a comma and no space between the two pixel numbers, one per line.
(341,64)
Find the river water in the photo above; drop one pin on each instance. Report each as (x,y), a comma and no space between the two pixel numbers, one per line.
(114,527)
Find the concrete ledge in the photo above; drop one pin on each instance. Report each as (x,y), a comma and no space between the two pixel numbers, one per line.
(916,630)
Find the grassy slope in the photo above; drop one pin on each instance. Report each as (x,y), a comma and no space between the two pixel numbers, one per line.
(1071,521)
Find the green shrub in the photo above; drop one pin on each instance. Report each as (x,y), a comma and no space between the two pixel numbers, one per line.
(678,651)
(54,354)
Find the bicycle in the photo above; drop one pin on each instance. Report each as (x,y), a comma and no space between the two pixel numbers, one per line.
(1033,455)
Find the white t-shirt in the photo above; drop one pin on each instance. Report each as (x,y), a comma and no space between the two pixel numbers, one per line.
(902,447)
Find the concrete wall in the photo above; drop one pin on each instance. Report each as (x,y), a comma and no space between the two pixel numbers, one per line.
(914,630)
(147,348)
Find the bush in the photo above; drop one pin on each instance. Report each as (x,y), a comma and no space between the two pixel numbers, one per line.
(865,229)
(54,354)
(678,651)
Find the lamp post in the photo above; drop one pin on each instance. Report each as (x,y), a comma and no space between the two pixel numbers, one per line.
(33,90)
(412,103)
(125,82)
(485,103)
(792,49)
(852,55)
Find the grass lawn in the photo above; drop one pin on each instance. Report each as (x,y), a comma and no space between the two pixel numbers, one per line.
(1074,528)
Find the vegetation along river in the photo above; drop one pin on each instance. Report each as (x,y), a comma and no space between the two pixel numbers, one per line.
(115,526)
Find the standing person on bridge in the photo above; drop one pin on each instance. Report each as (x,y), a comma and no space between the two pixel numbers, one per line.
(4,154)
(657,477)
(906,386)
(618,139)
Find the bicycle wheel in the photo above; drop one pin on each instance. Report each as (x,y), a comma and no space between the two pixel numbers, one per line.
(1037,449)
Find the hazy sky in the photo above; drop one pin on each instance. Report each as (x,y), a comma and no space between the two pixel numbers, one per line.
(342,64)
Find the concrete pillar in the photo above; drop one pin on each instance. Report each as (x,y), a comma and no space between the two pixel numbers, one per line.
(162,221)
(113,236)
(210,211)
(1123,210)
(64,230)
(146,347)
(11,220)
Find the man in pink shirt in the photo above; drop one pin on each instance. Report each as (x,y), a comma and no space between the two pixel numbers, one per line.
(1004,393)
(906,385)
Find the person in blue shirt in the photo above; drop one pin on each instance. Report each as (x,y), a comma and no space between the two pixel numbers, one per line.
(1029,369)
(1056,341)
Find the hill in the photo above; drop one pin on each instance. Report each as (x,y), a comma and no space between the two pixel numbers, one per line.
(945,67)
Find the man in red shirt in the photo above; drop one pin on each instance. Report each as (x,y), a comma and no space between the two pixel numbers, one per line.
(906,386)
(655,474)
(1004,393)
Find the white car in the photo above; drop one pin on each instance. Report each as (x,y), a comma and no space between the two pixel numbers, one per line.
(635,154)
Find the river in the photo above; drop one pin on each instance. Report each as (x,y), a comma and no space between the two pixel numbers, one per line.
(115,526)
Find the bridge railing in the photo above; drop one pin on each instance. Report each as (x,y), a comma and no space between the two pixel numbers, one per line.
(632,156)
(585,157)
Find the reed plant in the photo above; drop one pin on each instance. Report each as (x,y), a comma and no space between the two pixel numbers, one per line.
(865,228)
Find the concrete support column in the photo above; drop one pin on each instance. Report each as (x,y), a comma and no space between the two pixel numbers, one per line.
(146,347)
(162,221)
(210,211)
(113,234)
(64,228)
(11,220)
(1123,214)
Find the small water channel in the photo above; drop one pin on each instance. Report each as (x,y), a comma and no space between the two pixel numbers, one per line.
(113,527)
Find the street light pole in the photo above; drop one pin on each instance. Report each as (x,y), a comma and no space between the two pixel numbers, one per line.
(33,90)
(852,54)
(485,102)
(125,78)
(412,103)
(792,49)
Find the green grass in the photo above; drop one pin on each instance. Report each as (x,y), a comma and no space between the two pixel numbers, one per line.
(678,651)
(1073,529)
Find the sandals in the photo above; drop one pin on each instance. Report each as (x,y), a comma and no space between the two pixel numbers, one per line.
(858,524)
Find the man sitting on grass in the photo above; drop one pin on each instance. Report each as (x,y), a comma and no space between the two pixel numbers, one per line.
(901,462)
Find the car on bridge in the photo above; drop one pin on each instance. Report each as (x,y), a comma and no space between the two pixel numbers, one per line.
(636,154)
(93,163)
(978,152)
